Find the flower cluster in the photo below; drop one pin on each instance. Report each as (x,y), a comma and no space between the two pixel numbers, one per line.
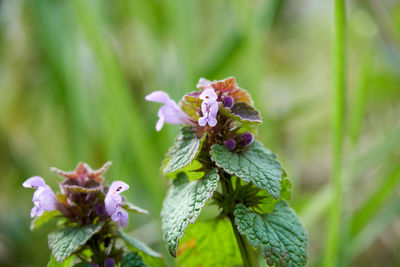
(215,159)
(218,103)
(89,210)
(81,188)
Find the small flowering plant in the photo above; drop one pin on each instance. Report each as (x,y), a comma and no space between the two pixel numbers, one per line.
(90,217)
(215,159)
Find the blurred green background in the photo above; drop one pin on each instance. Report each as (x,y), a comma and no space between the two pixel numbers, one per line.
(74,74)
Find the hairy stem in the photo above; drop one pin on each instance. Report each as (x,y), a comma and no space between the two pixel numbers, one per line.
(248,256)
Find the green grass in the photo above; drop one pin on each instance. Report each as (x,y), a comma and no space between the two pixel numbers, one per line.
(74,75)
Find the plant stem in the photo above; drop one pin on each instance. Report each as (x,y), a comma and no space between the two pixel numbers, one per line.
(247,253)
(338,121)
(248,256)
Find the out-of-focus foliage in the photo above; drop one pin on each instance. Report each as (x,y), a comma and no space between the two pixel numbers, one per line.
(74,75)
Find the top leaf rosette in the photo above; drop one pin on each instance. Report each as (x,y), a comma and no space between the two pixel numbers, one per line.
(216,157)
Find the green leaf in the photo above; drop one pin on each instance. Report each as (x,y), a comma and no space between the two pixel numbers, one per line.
(209,243)
(63,242)
(257,165)
(280,234)
(184,151)
(183,205)
(192,170)
(130,207)
(138,244)
(268,203)
(242,112)
(132,260)
(149,256)
(44,218)
(66,263)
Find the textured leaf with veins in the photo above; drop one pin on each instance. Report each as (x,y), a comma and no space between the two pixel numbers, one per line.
(257,165)
(183,205)
(183,152)
(280,234)
(65,241)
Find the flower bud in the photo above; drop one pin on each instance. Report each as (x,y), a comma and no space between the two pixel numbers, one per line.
(94,264)
(109,262)
(230,144)
(246,139)
(228,102)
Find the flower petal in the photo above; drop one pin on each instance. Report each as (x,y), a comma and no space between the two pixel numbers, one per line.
(213,109)
(203,121)
(159,97)
(203,83)
(208,95)
(160,123)
(173,114)
(118,187)
(212,122)
(34,182)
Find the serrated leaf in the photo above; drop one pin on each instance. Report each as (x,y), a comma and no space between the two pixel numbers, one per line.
(130,207)
(191,105)
(191,171)
(184,151)
(243,113)
(149,256)
(210,243)
(268,203)
(132,260)
(257,165)
(44,218)
(183,205)
(66,263)
(63,242)
(280,234)
(138,244)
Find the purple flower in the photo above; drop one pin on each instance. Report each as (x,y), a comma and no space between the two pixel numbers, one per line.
(203,83)
(228,101)
(209,108)
(246,139)
(230,144)
(109,262)
(114,202)
(43,198)
(170,112)
(208,95)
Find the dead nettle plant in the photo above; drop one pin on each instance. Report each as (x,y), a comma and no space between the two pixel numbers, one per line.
(90,216)
(215,157)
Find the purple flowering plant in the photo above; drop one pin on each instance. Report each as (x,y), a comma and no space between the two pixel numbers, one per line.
(216,160)
(90,217)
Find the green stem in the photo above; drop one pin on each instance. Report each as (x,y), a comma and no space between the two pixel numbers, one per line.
(248,256)
(247,253)
(338,121)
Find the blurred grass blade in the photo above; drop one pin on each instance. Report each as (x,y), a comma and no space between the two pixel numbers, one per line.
(373,230)
(389,185)
(314,209)
(338,122)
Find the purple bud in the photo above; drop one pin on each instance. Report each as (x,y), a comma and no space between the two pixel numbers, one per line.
(230,144)
(246,139)
(228,102)
(100,209)
(109,262)
(94,264)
